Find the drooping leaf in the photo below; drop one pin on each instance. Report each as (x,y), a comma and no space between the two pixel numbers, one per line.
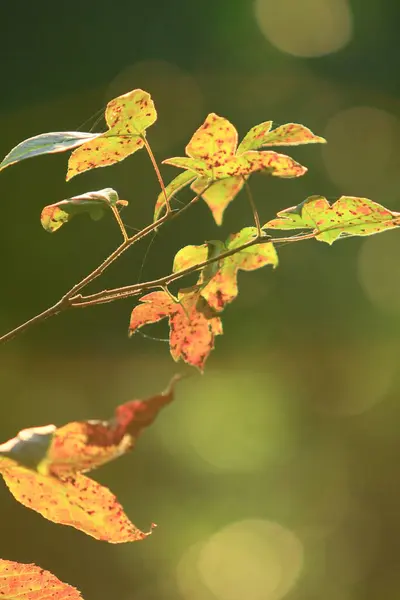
(127,118)
(46,143)
(77,501)
(171,189)
(348,216)
(29,582)
(193,325)
(213,155)
(219,287)
(43,468)
(94,203)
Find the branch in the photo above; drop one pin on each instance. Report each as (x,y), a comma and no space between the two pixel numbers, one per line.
(138,288)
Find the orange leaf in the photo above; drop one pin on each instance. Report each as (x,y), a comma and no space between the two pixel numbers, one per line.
(42,467)
(29,582)
(193,325)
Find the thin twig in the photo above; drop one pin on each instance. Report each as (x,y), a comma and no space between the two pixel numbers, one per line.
(253,207)
(158,173)
(120,223)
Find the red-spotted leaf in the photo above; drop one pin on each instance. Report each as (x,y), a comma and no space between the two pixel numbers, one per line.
(219,287)
(254,139)
(291,134)
(193,325)
(29,582)
(348,216)
(46,143)
(127,118)
(171,189)
(77,501)
(221,167)
(42,467)
(94,203)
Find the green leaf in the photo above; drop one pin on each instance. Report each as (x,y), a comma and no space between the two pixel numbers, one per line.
(127,117)
(172,188)
(291,134)
(348,216)
(46,143)
(254,138)
(189,256)
(94,203)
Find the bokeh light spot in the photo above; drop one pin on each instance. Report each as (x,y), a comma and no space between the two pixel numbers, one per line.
(252,559)
(238,422)
(360,148)
(378,271)
(305,28)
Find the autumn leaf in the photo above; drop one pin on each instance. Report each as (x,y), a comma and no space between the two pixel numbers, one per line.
(46,143)
(29,582)
(193,325)
(171,189)
(222,167)
(220,287)
(43,468)
(127,118)
(348,216)
(94,203)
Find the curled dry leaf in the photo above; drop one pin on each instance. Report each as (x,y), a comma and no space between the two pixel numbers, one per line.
(193,324)
(43,468)
(348,216)
(94,203)
(127,118)
(221,167)
(29,582)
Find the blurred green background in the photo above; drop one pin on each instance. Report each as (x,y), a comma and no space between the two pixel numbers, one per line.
(275,475)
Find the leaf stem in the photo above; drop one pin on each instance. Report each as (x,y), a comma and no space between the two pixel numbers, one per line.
(158,173)
(120,223)
(253,207)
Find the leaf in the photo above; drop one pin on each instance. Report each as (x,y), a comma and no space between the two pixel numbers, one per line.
(42,467)
(95,203)
(127,118)
(213,155)
(172,188)
(219,195)
(193,325)
(46,143)
(29,582)
(291,134)
(348,216)
(254,138)
(220,287)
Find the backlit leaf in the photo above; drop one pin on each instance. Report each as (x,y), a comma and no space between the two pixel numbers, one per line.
(77,501)
(171,189)
(348,216)
(42,467)
(254,138)
(193,325)
(219,195)
(29,582)
(127,117)
(213,155)
(94,203)
(46,143)
(291,134)
(219,287)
